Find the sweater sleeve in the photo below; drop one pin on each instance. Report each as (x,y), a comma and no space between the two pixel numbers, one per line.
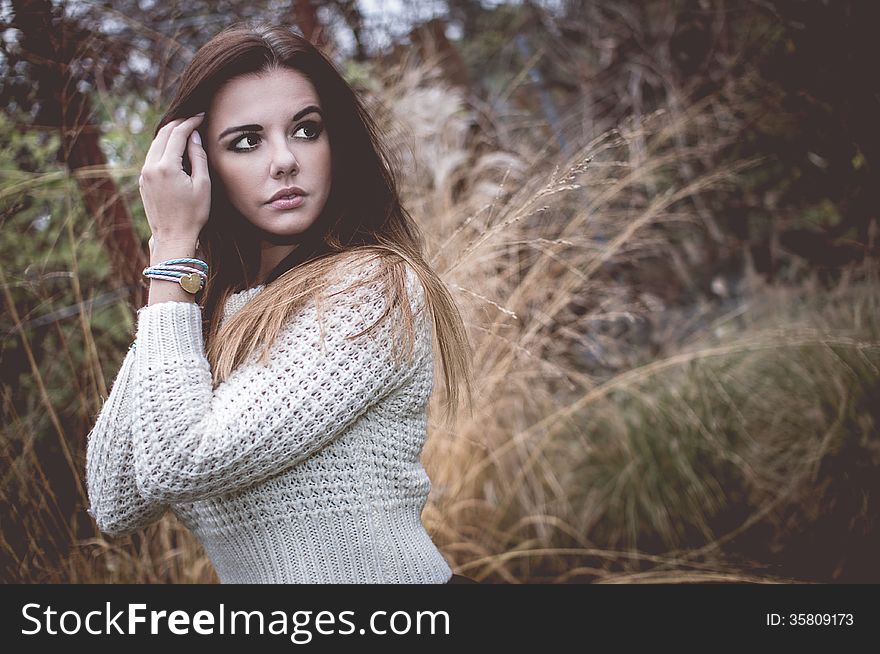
(194,442)
(115,501)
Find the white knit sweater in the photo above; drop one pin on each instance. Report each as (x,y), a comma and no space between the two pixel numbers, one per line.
(305,470)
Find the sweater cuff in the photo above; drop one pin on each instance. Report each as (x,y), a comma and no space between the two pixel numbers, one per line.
(170,331)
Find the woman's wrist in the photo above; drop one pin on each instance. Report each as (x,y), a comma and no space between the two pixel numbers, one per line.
(162,290)
(163,250)
(168,290)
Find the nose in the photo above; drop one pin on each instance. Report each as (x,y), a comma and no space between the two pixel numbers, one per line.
(283,161)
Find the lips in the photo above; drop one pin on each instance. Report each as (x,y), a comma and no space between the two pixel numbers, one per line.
(287,203)
(287,193)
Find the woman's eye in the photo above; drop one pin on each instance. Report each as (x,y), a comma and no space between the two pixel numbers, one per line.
(310,131)
(246,136)
(311,128)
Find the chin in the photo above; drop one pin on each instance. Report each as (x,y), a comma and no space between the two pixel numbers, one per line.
(279,233)
(285,223)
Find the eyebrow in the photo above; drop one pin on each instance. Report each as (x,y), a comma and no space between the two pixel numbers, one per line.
(259,128)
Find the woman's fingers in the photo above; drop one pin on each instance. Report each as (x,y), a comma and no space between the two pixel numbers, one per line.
(175,202)
(177,141)
(157,147)
(171,138)
(198,158)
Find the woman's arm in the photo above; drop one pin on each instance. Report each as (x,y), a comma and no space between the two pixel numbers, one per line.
(194,442)
(115,501)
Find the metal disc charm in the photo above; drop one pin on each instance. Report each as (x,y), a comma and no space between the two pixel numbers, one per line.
(191,283)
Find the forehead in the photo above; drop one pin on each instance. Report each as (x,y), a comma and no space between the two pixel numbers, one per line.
(260,98)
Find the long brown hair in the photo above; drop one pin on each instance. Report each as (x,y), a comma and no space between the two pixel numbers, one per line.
(363,214)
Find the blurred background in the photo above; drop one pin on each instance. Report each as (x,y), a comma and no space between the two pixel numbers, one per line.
(660,221)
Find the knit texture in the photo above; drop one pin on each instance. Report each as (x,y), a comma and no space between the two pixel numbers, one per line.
(302,470)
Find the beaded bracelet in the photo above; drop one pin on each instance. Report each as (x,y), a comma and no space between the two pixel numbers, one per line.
(191,280)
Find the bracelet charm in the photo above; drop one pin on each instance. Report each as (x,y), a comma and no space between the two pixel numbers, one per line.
(191,283)
(191,279)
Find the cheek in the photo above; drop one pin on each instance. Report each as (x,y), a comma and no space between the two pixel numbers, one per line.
(236,176)
(239,188)
(325,165)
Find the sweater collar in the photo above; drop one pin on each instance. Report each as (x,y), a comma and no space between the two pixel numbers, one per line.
(237,300)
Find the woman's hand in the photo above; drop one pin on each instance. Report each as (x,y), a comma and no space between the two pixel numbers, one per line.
(176,204)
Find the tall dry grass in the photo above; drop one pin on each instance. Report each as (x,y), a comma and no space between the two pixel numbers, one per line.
(621,435)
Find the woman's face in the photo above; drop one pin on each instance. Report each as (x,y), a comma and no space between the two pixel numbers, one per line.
(266,134)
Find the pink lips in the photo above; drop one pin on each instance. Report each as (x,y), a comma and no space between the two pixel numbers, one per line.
(287,203)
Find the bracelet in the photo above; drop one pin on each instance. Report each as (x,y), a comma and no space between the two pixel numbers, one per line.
(191,280)
(191,283)
(186,269)
(197,262)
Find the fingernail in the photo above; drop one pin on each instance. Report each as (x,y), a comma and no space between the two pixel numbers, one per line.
(201,113)
(197,139)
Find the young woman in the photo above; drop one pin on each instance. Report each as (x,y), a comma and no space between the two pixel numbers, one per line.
(275,397)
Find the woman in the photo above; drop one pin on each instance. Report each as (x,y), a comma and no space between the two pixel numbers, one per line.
(276,394)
